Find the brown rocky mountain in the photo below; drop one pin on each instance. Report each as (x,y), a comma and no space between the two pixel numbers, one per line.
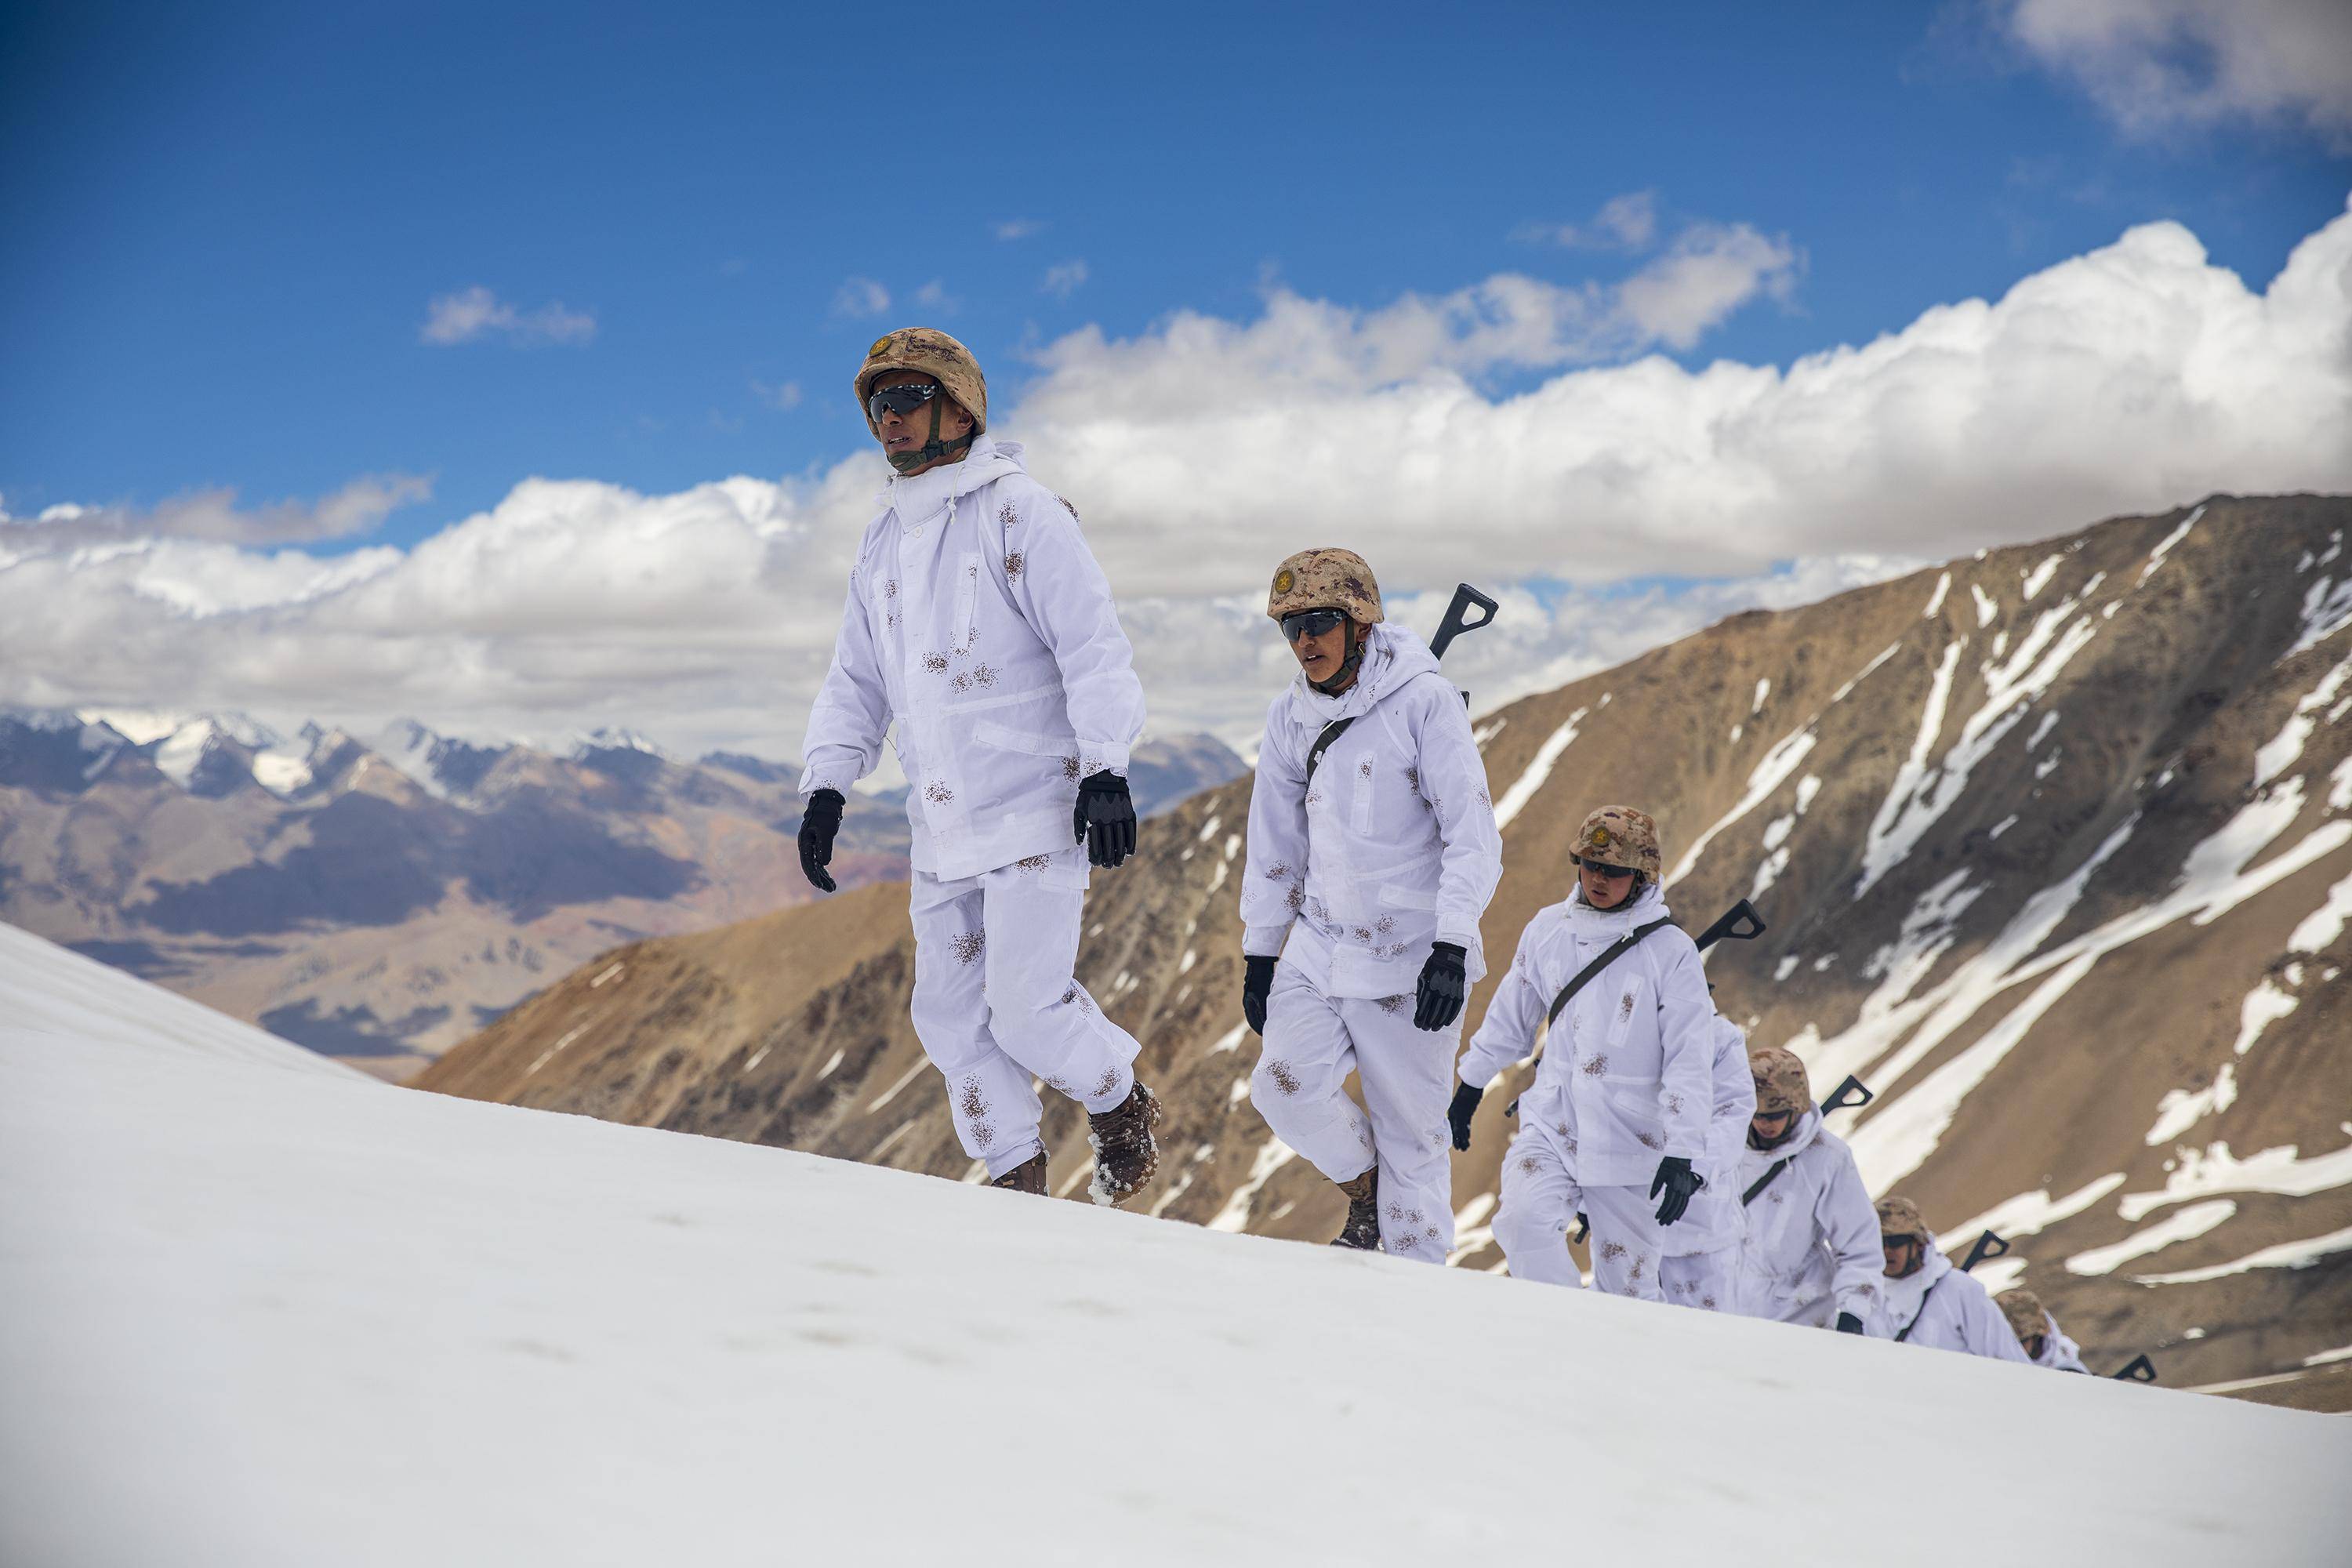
(381,902)
(2055,843)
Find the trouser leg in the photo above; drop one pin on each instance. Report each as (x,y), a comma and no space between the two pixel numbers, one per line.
(1300,1084)
(1627,1241)
(1537,1201)
(1038,1012)
(991,1100)
(1708,1280)
(1407,1076)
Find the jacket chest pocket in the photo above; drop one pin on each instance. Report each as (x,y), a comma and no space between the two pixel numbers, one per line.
(1624,1008)
(965,628)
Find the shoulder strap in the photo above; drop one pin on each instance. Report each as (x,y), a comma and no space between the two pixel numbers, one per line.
(1609,955)
(1331,732)
(1920,1313)
(1763,1182)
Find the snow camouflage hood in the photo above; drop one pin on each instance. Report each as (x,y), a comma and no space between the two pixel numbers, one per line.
(1905,1296)
(917,498)
(1780,1080)
(1392,656)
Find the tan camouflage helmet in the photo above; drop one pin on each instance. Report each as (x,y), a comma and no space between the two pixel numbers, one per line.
(1620,835)
(2027,1316)
(935,354)
(1325,579)
(1899,1217)
(1782,1083)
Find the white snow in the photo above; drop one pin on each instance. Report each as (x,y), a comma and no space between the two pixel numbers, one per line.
(2265,1005)
(1231,1040)
(2183,1224)
(1763,690)
(2285,1254)
(1272,1156)
(1936,602)
(275,1318)
(2326,610)
(1769,775)
(2182,1109)
(1487,731)
(2029,1213)
(1988,611)
(831,1063)
(905,1079)
(2284,749)
(2318,930)
(1842,692)
(2039,578)
(1523,789)
(611,972)
(2041,730)
(2003,825)
(2204,1173)
(1886,844)
(2156,557)
(1785,968)
(2326,1357)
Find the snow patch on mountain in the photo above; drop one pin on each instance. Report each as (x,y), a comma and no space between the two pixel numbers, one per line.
(2203,1172)
(2285,1254)
(2029,1213)
(2164,547)
(1523,788)
(2185,1224)
(2182,1109)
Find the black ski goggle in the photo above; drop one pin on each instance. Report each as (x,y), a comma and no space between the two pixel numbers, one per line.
(901,400)
(1310,623)
(1613,873)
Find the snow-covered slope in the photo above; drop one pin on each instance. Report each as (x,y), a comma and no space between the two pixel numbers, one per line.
(260,1317)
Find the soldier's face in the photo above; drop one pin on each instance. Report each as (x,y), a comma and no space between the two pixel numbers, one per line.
(1604,890)
(1321,654)
(2035,1344)
(1768,1124)
(1902,1254)
(903,433)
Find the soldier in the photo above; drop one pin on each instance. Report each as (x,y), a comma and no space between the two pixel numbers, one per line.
(979,623)
(1928,1302)
(1810,1255)
(1373,852)
(2038,1333)
(1621,1106)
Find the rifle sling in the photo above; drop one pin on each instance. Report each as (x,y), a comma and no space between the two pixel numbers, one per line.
(1609,955)
(1331,732)
(1764,1181)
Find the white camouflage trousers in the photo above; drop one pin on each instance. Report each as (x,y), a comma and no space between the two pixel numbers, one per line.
(1706,1280)
(996,1004)
(1537,1202)
(1537,1205)
(1312,1042)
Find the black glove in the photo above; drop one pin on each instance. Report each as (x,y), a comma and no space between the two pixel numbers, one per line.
(1257,982)
(819,823)
(1465,1107)
(1678,1182)
(1437,1001)
(1104,818)
(1848,1323)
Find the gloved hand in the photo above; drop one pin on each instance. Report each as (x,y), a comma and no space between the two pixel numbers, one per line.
(1437,1000)
(1104,818)
(1257,983)
(1678,1182)
(819,823)
(1848,1323)
(1465,1107)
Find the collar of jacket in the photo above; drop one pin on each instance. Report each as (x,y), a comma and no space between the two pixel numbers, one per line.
(918,498)
(1392,656)
(1809,1128)
(1591,924)
(1904,1297)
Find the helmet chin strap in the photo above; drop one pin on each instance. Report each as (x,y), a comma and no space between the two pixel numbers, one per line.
(1337,681)
(932,450)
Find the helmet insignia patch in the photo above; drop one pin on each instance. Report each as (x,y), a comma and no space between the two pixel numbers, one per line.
(1284,579)
(881,346)
(1600,839)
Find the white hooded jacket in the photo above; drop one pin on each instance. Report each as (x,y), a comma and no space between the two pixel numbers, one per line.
(978,624)
(1632,1073)
(1945,1309)
(1715,1217)
(2059,1353)
(1390,847)
(1811,1248)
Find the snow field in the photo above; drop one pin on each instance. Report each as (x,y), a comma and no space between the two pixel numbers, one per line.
(260,1317)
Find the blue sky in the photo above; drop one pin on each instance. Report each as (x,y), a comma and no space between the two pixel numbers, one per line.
(228,225)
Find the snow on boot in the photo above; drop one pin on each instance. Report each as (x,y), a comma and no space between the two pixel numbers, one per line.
(1029,1176)
(1362,1231)
(1126,1154)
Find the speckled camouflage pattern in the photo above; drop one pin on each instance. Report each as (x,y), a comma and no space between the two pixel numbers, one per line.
(1325,579)
(1620,835)
(1901,1217)
(2027,1316)
(1780,1080)
(934,354)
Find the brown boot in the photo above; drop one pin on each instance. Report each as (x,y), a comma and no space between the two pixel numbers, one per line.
(1362,1231)
(1126,1154)
(1029,1176)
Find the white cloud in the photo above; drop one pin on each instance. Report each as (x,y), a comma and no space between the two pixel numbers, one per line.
(1064,279)
(860,296)
(786,396)
(473,314)
(2129,379)
(1016,228)
(1629,222)
(2156,64)
(357,508)
(1711,271)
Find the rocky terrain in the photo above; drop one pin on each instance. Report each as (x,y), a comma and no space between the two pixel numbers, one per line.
(2055,843)
(381,898)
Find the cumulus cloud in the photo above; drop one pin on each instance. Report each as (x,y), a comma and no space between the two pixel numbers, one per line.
(212,515)
(1611,506)
(1064,279)
(859,297)
(471,315)
(1629,222)
(2154,65)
